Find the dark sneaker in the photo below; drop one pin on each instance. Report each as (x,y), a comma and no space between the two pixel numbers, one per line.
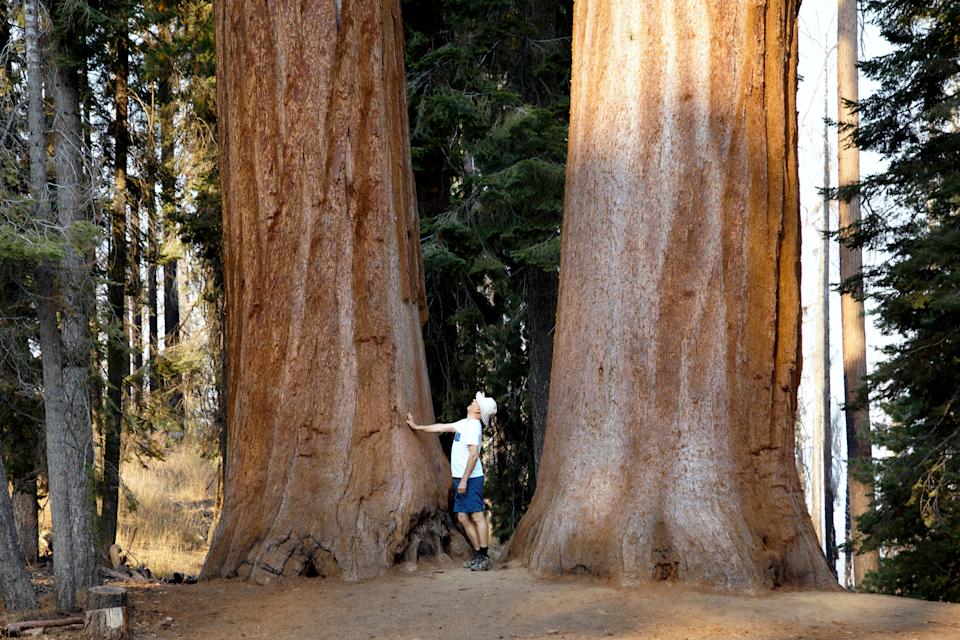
(482,564)
(469,563)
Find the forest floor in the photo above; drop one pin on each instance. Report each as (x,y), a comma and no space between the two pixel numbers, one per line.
(446,601)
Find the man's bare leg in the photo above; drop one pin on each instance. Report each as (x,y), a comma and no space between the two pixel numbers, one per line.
(483,533)
(473,533)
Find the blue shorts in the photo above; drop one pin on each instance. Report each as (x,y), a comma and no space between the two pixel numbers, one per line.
(472,500)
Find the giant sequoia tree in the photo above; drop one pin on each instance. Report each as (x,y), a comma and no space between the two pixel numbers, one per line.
(325,296)
(669,446)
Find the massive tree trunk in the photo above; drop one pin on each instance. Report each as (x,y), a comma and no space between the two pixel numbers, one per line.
(857,411)
(325,297)
(669,452)
(118,361)
(15,587)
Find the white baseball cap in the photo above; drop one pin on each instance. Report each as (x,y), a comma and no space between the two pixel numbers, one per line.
(488,407)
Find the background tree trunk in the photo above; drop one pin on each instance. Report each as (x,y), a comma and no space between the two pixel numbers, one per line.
(540,286)
(15,584)
(823,442)
(50,345)
(669,452)
(168,203)
(325,297)
(541,296)
(25,515)
(168,195)
(70,455)
(118,360)
(135,293)
(150,201)
(857,409)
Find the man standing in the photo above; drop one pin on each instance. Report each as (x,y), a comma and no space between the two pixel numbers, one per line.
(468,473)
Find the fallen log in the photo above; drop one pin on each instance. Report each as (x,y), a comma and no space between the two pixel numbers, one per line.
(126,574)
(15,629)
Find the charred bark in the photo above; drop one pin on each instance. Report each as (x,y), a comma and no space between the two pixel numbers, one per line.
(325,298)
(669,452)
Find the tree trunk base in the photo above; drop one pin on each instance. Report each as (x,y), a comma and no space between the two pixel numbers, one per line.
(431,535)
(107,616)
(107,624)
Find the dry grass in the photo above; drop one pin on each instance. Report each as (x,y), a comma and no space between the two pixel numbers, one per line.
(166,509)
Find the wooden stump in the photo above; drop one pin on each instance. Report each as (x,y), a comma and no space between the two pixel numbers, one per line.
(107,616)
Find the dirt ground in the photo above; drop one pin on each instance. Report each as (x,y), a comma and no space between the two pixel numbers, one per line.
(446,601)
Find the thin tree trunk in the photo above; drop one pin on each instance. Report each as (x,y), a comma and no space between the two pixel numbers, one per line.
(322,264)
(541,297)
(150,201)
(168,195)
(135,293)
(135,300)
(75,452)
(669,451)
(15,587)
(857,409)
(36,122)
(118,361)
(50,344)
(5,18)
(433,186)
(25,515)
(828,533)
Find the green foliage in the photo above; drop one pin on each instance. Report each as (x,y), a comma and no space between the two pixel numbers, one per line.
(23,245)
(488,99)
(913,215)
(190,55)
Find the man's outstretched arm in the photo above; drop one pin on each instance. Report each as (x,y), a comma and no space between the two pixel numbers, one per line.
(439,427)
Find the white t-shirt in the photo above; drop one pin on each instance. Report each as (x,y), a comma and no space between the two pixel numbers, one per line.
(467,432)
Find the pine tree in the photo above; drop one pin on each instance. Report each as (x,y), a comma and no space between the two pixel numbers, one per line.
(914,216)
(488,100)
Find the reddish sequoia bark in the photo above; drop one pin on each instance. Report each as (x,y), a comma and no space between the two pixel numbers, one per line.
(325,297)
(669,446)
